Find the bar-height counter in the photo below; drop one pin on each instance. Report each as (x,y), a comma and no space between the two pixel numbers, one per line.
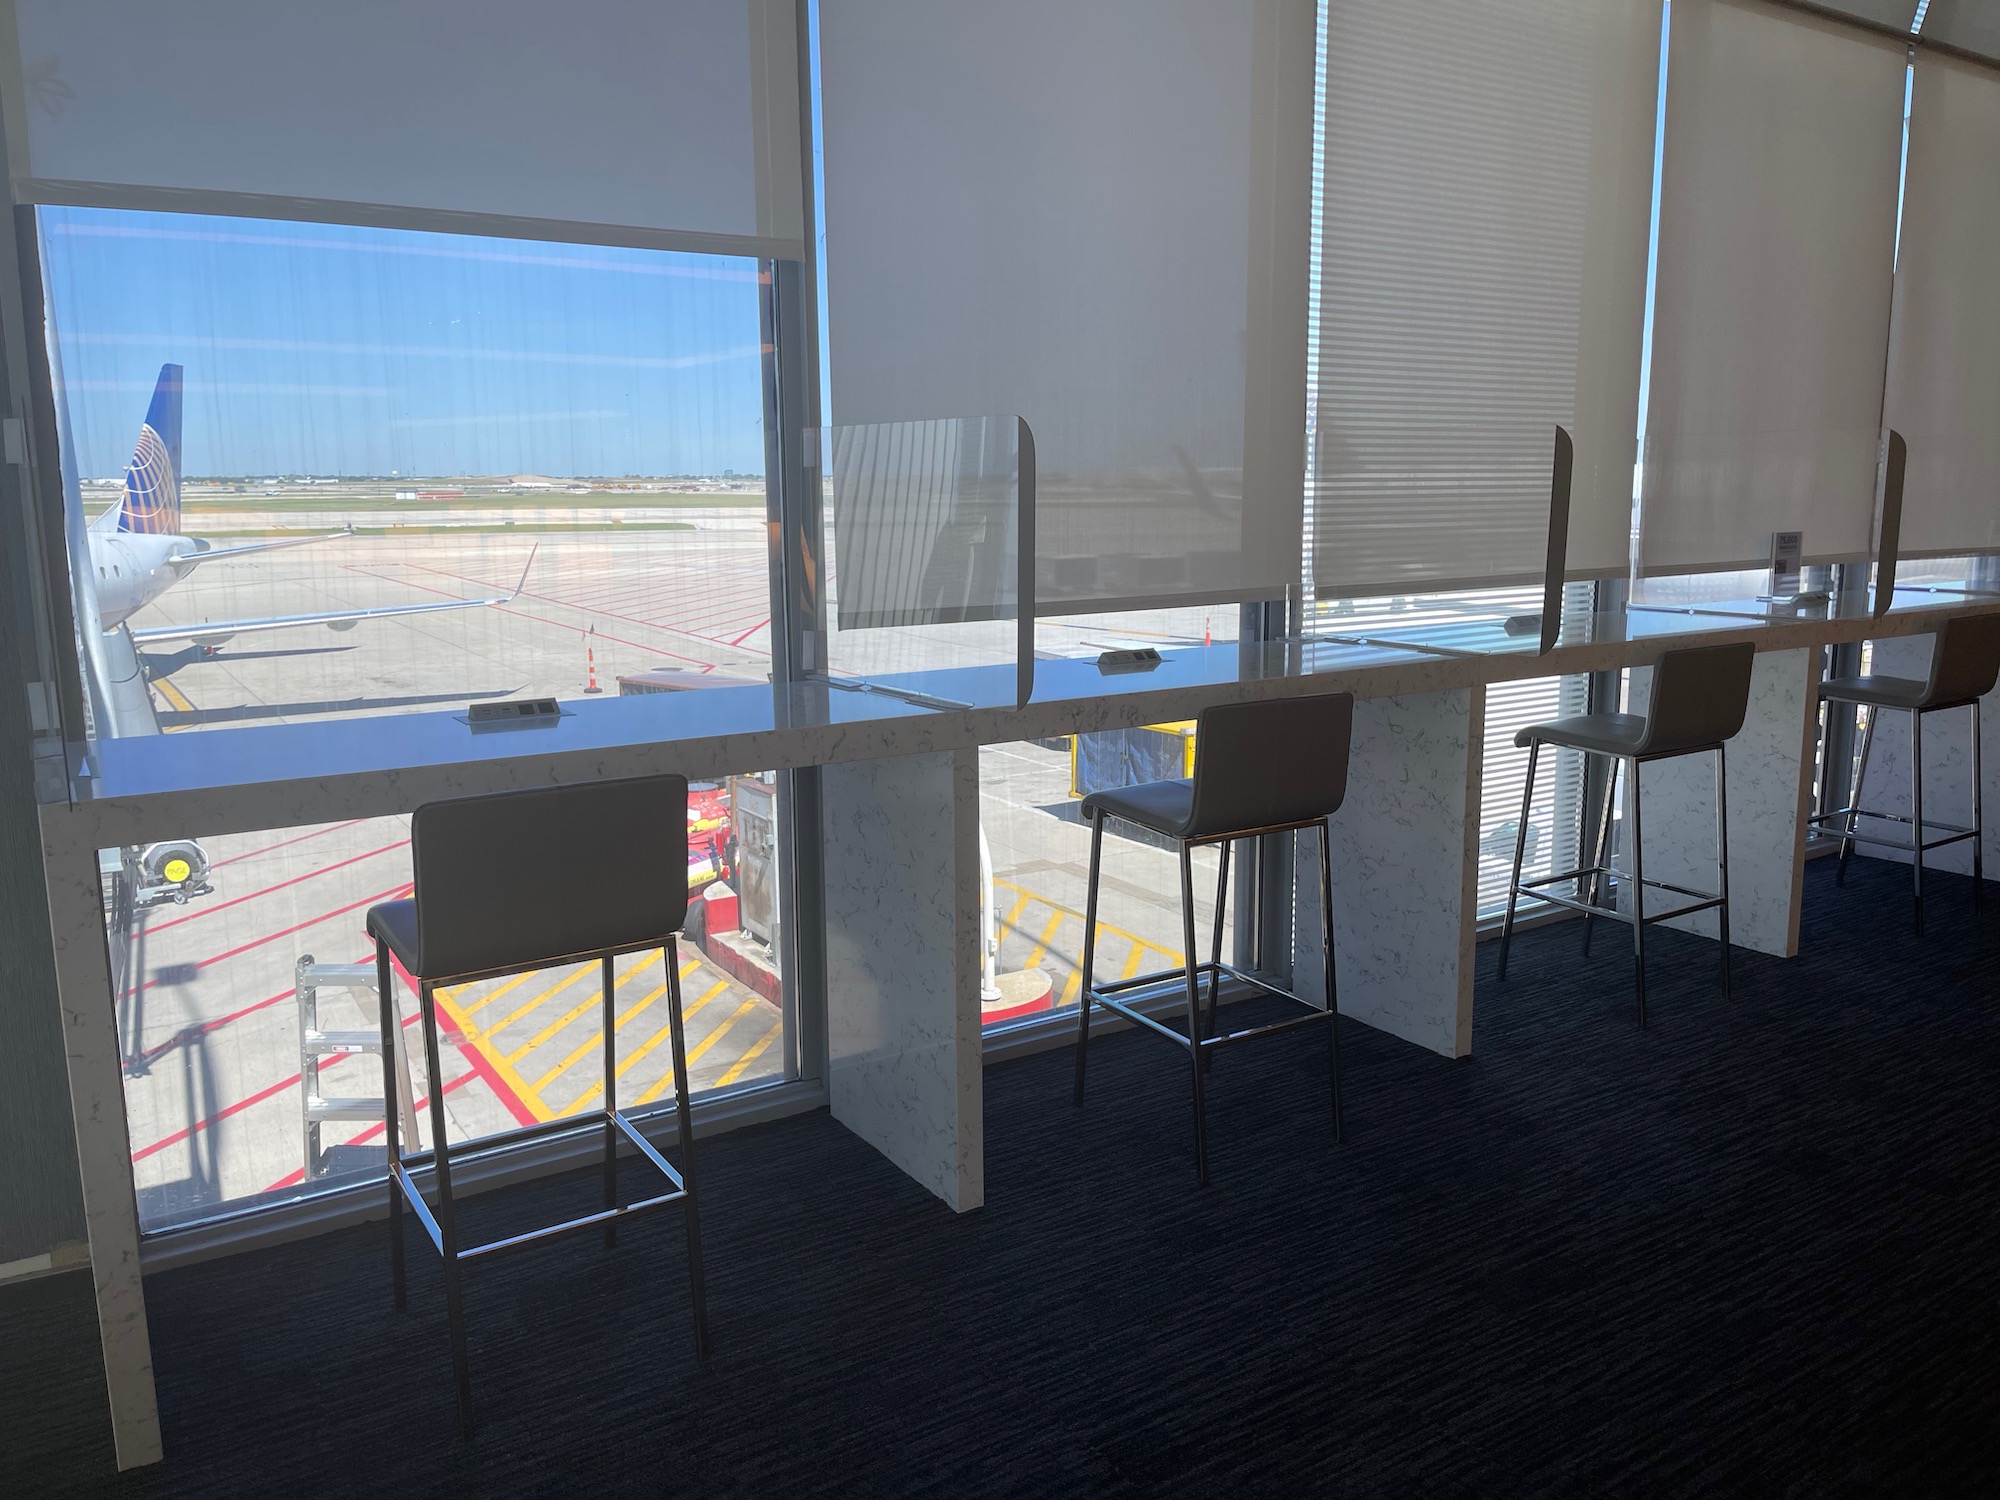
(899,821)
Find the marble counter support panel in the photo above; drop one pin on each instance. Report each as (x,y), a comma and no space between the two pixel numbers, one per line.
(901,859)
(1405,872)
(1947,742)
(104,1151)
(1770,794)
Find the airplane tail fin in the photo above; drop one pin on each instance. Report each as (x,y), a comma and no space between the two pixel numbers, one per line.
(153,479)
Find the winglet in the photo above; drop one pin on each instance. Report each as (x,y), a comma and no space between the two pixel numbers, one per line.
(524,572)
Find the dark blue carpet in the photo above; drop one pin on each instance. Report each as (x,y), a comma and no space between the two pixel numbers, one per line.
(1750,1250)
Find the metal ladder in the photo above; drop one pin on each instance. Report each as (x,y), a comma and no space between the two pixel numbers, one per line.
(315,1108)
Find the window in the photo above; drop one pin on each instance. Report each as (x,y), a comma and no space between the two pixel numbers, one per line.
(337,471)
(317,472)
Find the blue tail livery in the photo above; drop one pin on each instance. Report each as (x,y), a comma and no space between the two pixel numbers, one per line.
(153,479)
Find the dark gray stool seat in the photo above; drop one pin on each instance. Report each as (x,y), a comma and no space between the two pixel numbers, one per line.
(1700,696)
(609,863)
(1259,768)
(1965,663)
(1162,806)
(1878,692)
(1599,734)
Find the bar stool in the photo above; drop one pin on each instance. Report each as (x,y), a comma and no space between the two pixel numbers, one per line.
(1700,695)
(531,880)
(1258,768)
(1965,660)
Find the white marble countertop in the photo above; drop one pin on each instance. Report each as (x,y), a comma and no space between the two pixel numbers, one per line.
(140,790)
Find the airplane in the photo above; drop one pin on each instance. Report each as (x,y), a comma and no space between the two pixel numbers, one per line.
(135,551)
(124,560)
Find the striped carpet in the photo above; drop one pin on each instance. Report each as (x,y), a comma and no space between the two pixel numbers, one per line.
(1751,1250)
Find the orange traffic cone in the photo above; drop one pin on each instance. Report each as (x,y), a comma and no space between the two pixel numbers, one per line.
(590,657)
(1205,640)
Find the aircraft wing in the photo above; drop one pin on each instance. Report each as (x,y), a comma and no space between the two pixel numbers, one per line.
(210,554)
(212,632)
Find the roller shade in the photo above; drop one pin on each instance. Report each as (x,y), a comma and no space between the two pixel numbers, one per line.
(1944,351)
(1093,213)
(677,117)
(1771,312)
(1972,25)
(1484,193)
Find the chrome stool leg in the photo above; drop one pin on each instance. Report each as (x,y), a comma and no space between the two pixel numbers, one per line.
(1600,855)
(1520,852)
(684,1119)
(1191,974)
(1854,801)
(1722,858)
(447,1218)
(1089,950)
(1326,959)
(1215,953)
(1638,896)
(385,990)
(1978,821)
(610,1100)
(1917,812)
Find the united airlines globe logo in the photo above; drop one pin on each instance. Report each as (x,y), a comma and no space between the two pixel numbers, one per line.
(152,499)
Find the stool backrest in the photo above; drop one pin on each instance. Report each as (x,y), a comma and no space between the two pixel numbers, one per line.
(1263,765)
(516,879)
(1700,694)
(1965,659)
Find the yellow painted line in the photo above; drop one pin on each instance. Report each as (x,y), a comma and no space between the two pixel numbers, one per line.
(1019,906)
(1070,989)
(173,695)
(736,1068)
(597,1038)
(651,1042)
(695,1054)
(1048,936)
(500,1064)
(1132,963)
(485,1000)
(1104,929)
(578,1009)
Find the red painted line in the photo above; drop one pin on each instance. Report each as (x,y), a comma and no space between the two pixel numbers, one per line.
(207,910)
(298,1174)
(751,631)
(222,1114)
(502,1090)
(653,624)
(393,892)
(522,614)
(283,843)
(232,1109)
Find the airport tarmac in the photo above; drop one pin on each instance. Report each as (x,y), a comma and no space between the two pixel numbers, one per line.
(208,1014)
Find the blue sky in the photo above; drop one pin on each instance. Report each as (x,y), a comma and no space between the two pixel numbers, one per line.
(329,349)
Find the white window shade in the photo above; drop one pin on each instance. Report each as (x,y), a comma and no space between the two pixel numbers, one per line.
(1944,350)
(1484,206)
(1092,213)
(676,118)
(1771,304)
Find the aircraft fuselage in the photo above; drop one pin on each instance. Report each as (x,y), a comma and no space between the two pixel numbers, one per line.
(134,568)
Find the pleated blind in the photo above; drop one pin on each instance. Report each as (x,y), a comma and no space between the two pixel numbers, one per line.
(1092,213)
(678,117)
(1771,311)
(1487,167)
(1944,350)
